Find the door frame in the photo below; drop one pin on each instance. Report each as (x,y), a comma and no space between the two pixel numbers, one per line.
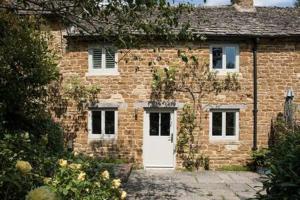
(174,124)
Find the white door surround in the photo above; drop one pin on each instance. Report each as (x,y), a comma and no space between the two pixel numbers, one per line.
(159,138)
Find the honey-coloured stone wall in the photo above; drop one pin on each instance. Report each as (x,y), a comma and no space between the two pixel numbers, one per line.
(278,70)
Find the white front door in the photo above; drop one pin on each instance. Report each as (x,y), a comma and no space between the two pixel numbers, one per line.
(159,139)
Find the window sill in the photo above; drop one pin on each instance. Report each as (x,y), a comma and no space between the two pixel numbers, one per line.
(223,141)
(103,138)
(224,71)
(103,73)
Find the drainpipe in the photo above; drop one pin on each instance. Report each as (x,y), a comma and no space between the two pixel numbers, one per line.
(254,51)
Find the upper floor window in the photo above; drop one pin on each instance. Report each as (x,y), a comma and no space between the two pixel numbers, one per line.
(224,58)
(103,60)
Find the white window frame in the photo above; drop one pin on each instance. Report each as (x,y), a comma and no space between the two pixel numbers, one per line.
(224,70)
(103,71)
(92,136)
(159,121)
(223,137)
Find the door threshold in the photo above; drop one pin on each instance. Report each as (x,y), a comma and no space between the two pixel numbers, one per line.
(159,168)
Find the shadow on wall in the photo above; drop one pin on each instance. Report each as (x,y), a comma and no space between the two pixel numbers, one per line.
(114,150)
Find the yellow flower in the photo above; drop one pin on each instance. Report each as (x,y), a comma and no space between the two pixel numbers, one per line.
(116,183)
(81,176)
(91,155)
(75,166)
(23,166)
(62,162)
(97,184)
(105,175)
(46,180)
(123,195)
(76,153)
(41,193)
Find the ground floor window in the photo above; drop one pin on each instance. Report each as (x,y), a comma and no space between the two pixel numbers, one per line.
(224,124)
(102,123)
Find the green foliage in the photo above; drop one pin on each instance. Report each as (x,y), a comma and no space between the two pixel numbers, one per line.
(79,92)
(14,184)
(27,66)
(185,134)
(186,147)
(26,164)
(154,19)
(283,181)
(192,77)
(81,180)
(261,158)
(71,91)
(297,4)
(234,168)
(164,80)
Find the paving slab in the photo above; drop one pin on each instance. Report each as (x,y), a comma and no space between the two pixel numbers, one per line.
(205,185)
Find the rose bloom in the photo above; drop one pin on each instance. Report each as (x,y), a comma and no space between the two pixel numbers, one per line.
(76,153)
(62,162)
(91,155)
(81,176)
(97,184)
(116,183)
(46,180)
(123,195)
(75,166)
(41,193)
(105,175)
(23,166)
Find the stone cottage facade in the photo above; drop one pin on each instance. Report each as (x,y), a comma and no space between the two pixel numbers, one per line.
(125,123)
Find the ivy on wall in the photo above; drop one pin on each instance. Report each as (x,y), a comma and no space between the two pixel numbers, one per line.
(186,148)
(64,94)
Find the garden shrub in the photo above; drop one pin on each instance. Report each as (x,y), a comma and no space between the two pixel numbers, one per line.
(260,159)
(27,165)
(81,181)
(22,164)
(27,67)
(283,181)
(52,134)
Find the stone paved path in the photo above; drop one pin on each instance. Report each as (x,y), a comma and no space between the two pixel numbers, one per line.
(206,185)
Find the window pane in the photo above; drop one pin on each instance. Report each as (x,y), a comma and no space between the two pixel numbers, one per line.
(230,123)
(110,58)
(217,57)
(165,124)
(96,122)
(230,57)
(109,122)
(154,124)
(97,58)
(217,124)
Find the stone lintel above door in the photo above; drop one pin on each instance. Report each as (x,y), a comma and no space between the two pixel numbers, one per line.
(159,104)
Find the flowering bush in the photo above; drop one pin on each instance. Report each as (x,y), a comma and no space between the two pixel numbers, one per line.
(29,170)
(23,164)
(79,181)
